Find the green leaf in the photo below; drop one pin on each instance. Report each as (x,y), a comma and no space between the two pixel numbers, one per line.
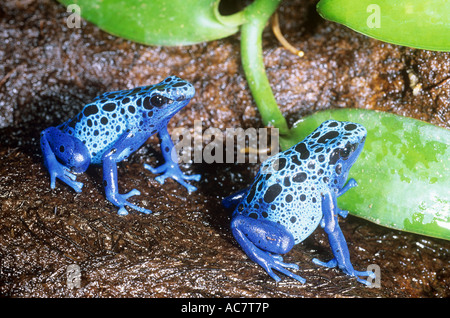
(403,172)
(159,22)
(414,23)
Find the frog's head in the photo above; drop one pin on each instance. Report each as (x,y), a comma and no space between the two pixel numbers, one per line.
(168,97)
(340,143)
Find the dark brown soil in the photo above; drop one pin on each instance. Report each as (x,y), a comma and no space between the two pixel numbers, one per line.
(185,248)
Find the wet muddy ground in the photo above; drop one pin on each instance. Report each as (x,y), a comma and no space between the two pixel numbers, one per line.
(185,248)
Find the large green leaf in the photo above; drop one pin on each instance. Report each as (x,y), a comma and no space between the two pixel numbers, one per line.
(158,22)
(403,173)
(415,23)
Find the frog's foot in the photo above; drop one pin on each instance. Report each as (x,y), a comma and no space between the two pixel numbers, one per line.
(342,213)
(174,172)
(120,200)
(61,172)
(275,262)
(263,241)
(348,270)
(351,183)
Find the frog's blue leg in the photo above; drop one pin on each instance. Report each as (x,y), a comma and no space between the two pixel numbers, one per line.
(350,184)
(121,149)
(62,154)
(337,241)
(170,167)
(260,239)
(232,201)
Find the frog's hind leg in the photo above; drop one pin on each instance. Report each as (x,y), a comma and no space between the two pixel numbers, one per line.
(64,154)
(263,241)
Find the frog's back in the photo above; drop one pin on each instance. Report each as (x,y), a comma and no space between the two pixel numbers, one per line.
(285,192)
(103,121)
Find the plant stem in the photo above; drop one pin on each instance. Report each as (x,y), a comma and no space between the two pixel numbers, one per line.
(257,15)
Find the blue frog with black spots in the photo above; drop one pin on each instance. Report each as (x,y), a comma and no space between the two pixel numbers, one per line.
(111,128)
(295,191)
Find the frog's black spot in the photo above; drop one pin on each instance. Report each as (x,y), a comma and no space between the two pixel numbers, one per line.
(89,123)
(326,179)
(104,120)
(122,111)
(168,80)
(61,149)
(118,128)
(350,127)
(293,219)
(333,124)
(146,103)
(139,102)
(289,198)
(300,177)
(96,132)
(126,100)
(321,158)
(253,215)
(313,200)
(287,182)
(260,186)
(90,110)
(320,172)
(317,134)
(311,165)
(279,164)
(264,214)
(135,91)
(272,192)
(318,149)
(302,197)
(72,124)
(338,169)
(251,193)
(334,156)
(131,109)
(241,208)
(295,160)
(149,114)
(304,152)
(328,136)
(179,84)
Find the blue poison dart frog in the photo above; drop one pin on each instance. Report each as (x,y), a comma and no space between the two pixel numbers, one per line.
(292,193)
(111,128)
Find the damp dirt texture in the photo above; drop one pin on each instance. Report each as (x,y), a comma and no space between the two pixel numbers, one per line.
(185,248)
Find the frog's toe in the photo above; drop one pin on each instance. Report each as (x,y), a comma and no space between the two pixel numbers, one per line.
(156,170)
(194,177)
(329,264)
(131,193)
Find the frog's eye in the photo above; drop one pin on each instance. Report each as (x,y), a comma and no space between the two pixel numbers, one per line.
(158,100)
(345,152)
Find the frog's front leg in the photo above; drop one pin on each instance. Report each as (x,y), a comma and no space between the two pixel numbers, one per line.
(263,241)
(350,184)
(337,241)
(121,149)
(62,155)
(232,201)
(170,168)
